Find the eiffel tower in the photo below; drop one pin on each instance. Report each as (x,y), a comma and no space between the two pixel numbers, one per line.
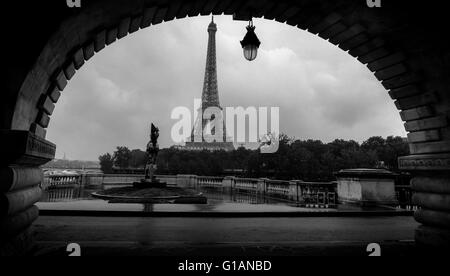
(210,98)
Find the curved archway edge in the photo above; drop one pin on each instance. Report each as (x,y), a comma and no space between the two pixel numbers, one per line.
(403,51)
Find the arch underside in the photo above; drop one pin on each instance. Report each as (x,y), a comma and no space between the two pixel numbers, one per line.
(389,46)
(49,42)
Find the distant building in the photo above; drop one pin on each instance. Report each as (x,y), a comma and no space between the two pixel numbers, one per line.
(210,98)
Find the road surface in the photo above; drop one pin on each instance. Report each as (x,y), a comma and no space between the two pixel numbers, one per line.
(224,236)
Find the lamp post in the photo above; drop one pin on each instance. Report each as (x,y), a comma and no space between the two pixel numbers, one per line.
(250,43)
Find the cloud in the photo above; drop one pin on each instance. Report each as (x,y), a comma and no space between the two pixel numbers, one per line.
(323,93)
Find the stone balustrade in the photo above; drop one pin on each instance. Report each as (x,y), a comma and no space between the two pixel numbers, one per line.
(61,181)
(310,194)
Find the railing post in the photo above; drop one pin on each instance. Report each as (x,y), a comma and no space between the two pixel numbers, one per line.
(228,183)
(293,190)
(262,185)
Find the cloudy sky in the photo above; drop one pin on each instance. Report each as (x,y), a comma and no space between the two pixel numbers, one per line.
(322,92)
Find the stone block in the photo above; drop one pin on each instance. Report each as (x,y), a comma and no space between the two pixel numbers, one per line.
(347,34)
(78,59)
(386,61)
(218,9)
(366,187)
(288,14)
(124,27)
(15,178)
(391,72)
(159,15)
(437,183)
(354,42)
(439,202)
(428,162)
(43,119)
(135,24)
(69,71)
(424,136)
(147,19)
(207,8)
(363,50)
(173,10)
(24,148)
(333,30)
(100,41)
(416,101)
(406,91)
(17,201)
(111,36)
(185,7)
(38,130)
(13,225)
(54,94)
(431,147)
(402,80)
(426,124)
(89,50)
(328,21)
(197,7)
(46,104)
(416,113)
(60,80)
(433,218)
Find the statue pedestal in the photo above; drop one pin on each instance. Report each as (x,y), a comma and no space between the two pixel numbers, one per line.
(149,183)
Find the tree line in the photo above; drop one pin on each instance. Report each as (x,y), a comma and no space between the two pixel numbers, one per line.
(308,160)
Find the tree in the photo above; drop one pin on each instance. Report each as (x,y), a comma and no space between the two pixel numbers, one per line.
(308,160)
(122,157)
(395,147)
(106,163)
(138,158)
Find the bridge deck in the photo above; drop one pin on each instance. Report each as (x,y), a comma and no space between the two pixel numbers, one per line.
(225,236)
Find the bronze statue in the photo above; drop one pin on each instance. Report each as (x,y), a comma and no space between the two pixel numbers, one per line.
(152,150)
(150,180)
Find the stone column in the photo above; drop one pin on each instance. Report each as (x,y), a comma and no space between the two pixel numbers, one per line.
(22,153)
(431,185)
(294,190)
(262,185)
(228,183)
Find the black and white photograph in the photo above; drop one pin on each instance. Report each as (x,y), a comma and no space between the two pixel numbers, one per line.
(225,135)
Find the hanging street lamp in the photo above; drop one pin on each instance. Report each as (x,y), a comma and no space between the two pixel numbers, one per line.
(250,43)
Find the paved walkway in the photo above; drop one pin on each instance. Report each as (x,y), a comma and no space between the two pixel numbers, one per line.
(225,236)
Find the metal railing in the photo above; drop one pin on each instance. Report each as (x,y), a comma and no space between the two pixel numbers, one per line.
(404,196)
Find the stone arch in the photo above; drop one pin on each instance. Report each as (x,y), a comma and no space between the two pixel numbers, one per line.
(404,53)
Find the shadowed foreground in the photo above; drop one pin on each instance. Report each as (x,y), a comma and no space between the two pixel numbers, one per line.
(224,236)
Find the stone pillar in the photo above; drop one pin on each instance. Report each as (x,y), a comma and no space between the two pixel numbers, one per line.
(262,185)
(187,181)
(294,190)
(228,183)
(431,185)
(22,153)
